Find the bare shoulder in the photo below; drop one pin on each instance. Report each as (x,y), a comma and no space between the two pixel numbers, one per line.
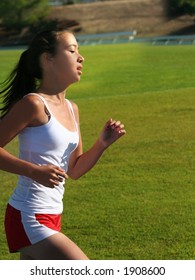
(74,106)
(22,114)
(75,109)
(32,103)
(25,110)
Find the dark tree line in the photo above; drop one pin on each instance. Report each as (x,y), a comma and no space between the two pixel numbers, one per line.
(179,7)
(17,14)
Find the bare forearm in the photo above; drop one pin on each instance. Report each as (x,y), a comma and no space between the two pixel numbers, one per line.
(12,164)
(111,132)
(87,160)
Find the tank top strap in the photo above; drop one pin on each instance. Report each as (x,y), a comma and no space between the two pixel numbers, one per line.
(43,99)
(71,108)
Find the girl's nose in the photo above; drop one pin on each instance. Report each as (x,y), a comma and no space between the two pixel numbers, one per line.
(81,59)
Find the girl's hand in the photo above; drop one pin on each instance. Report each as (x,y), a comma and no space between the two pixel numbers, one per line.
(111,132)
(49,175)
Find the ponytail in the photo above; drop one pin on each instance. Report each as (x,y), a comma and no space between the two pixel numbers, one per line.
(19,83)
(27,74)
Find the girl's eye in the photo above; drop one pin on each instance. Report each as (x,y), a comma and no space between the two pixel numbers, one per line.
(72,51)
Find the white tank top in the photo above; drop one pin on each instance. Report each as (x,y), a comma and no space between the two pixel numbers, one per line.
(50,143)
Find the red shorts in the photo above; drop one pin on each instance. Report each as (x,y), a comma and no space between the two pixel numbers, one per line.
(24,229)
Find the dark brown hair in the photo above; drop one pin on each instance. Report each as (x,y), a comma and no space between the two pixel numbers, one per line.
(27,73)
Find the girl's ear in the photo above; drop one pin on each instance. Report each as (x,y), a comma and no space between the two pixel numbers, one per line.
(45,59)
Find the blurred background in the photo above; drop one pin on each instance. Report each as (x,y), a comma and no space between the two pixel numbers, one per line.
(20,20)
(139,202)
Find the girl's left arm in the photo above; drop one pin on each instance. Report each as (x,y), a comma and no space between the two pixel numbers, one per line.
(80,163)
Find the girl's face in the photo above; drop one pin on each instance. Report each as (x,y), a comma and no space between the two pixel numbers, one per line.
(66,64)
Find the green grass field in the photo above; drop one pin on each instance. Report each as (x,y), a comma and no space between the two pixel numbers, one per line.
(139,201)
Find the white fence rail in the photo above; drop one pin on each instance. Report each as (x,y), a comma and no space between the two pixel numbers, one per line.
(125,37)
(168,40)
(106,38)
(130,37)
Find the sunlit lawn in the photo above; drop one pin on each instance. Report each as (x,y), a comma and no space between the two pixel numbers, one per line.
(139,201)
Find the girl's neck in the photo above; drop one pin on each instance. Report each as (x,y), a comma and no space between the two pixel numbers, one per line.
(55,97)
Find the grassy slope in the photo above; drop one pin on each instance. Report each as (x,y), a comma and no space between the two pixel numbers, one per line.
(138,202)
(148,17)
(111,16)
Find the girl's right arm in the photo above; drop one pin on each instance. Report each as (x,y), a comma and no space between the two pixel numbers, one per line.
(25,113)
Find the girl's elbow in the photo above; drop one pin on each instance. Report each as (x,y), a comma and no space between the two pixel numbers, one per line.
(74,175)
